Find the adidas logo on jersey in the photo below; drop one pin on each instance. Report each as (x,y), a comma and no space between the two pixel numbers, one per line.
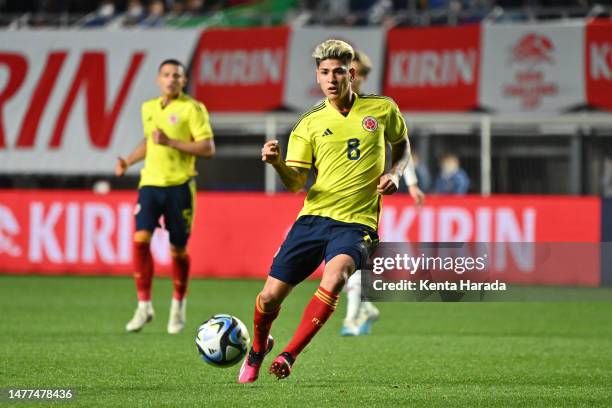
(327,132)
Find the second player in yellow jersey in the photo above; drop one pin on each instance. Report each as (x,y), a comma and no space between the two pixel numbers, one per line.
(183,119)
(176,130)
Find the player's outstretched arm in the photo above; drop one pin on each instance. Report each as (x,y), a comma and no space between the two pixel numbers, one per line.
(417,195)
(137,155)
(294,178)
(412,182)
(203,148)
(400,155)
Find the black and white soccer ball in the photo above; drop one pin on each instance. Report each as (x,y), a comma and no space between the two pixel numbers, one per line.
(223,340)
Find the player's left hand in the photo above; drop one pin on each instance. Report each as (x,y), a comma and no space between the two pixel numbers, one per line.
(160,138)
(121,166)
(388,184)
(417,195)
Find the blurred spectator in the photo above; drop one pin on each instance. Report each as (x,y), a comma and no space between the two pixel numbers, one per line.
(329,12)
(102,16)
(134,13)
(452,179)
(194,6)
(338,7)
(444,12)
(178,7)
(378,11)
(155,16)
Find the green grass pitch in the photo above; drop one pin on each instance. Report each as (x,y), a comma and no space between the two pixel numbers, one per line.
(61,332)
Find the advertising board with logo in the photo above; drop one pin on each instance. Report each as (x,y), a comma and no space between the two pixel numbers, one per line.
(301,90)
(240,69)
(82,233)
(532,68)
(70,103)
(598,57)
(433,68)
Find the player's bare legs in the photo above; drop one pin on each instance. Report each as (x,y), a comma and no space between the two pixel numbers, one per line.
(273,294)
(337,271)
(180,279)
(143,277)
(267,307)
(350,326)
(318,311)
(359,315)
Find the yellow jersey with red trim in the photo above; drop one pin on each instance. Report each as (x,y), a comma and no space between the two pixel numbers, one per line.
(184,118)
(348,155)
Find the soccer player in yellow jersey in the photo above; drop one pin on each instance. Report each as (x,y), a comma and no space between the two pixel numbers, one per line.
(360,315)
(176,130)
(343,140)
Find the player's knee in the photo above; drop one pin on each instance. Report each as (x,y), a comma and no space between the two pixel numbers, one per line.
(142,236)
(178,252)
(336,275)
(337,281)
(269,300)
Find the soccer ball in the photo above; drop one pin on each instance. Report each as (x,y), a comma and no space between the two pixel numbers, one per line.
(222,340)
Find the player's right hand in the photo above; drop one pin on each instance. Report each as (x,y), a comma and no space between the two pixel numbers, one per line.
(417,195)
(388,184)
(121,166)
(271,153)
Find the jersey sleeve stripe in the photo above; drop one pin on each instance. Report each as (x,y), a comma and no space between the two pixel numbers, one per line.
(373,96)
(297,161)
(380,97)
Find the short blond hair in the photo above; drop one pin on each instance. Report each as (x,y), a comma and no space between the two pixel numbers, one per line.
(364,61)
(334,49)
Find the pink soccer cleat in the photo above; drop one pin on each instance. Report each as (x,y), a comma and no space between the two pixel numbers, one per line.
(249,372)
(281,366)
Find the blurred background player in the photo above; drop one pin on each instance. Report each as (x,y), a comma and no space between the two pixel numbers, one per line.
(176,130)
(339,220)
(360,315)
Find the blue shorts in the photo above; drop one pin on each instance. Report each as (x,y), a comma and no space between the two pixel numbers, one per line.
(175,203)
(313,239)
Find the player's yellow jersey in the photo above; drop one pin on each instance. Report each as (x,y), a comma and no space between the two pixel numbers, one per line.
(184,118)
(348,154)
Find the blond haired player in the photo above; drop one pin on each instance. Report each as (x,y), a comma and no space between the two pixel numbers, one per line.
(343,139)
(176,130)
(360,315)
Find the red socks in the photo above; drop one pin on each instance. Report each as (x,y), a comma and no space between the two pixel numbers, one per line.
(180,276)
(318,311)
(143,270)
(262,323)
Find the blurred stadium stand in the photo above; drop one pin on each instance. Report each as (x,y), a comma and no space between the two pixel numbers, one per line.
(16,14)
(564,155)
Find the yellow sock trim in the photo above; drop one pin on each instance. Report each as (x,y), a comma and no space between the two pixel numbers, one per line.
(260,309)
(142,236)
